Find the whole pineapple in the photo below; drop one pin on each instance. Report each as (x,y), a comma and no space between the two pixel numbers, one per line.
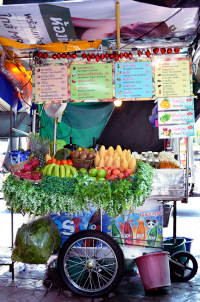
(39,147)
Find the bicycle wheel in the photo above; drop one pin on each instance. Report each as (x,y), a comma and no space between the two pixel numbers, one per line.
(91,263)
(188,269)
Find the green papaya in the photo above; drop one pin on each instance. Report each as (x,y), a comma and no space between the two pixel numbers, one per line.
(63,153)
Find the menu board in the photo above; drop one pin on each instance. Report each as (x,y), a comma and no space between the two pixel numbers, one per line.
(177,103)
(51,83)
(172,77)
(91,81)
(176,131)
(175,117)
(133,80)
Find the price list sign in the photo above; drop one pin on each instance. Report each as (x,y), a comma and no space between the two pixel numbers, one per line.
(172,78)
(51,83)
(91,81)
(133,80)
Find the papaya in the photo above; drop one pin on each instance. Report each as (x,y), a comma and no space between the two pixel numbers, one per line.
(97,160)
(105,159)
(110,151)
(101,163)
(63,153)
(119,150)
(109,161)
(102,151)
(124,164)
(117,162)
(128,154)
(132,164)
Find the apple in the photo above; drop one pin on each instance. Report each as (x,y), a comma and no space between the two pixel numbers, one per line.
(107,177)
(112,167)
(113,177)
(130,171)
(126,174)
(105,168)
(121,175)
(109,172)
(115,172)
(121,170)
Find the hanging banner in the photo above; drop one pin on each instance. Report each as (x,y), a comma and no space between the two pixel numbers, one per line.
(175,117)
(51,83)
(91,81)
(176,131)
(46,23)
(133,79)
(172,77)
(177,103)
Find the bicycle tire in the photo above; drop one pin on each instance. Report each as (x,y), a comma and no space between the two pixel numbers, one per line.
(178,273)
(83,265)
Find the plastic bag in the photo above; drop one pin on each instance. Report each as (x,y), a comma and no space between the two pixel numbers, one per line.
(19,78)
(36,241)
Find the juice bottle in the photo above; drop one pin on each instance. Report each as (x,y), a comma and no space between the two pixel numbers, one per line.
(140,233)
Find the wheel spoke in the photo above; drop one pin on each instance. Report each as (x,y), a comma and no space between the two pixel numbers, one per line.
(77,263)
(106,270)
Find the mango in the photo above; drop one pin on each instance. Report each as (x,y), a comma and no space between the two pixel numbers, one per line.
(109,162)
(110,151)
(102,151)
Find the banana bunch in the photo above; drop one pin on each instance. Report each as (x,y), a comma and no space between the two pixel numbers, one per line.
(59,170)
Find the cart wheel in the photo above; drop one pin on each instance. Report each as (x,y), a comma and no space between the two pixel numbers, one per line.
(91,263)
(189,268)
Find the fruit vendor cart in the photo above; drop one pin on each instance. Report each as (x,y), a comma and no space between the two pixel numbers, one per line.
(90,262)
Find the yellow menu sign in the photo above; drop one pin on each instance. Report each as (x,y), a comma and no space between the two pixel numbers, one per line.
(172,77)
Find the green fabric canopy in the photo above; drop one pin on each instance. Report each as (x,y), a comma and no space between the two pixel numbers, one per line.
(81,121)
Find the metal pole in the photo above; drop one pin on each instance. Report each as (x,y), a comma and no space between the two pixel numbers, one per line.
(118,24)
(34,121)
(174,223)
(11,147)
(54,136)
(187,167)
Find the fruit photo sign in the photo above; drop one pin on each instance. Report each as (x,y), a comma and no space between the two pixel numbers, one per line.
(175,117)
(176,131)
(51,83)
(176,103)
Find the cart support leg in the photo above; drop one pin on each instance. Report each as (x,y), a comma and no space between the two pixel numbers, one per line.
(174,223)
(12,235)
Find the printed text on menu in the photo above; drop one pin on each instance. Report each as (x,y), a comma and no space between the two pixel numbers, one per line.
(51,83)
(133,80)
(91,81)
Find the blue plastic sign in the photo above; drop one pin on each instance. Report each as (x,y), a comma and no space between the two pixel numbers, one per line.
(133,80)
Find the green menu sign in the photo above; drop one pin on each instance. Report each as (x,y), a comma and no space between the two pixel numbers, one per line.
(91,81)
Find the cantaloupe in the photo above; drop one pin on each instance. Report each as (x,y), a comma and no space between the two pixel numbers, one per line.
(109,162)
(110,151)
(102,151)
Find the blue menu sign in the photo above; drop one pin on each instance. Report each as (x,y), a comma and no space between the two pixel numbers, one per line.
(133,80)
